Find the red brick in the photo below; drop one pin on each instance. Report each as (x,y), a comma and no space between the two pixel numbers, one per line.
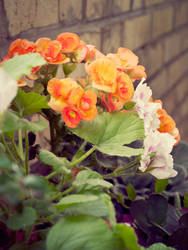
(172,46)
(120,6)
(151,57)
(181,13)
(111,38)
(137,31)
(159,84)
(177,69)
(70,11)
(162,21)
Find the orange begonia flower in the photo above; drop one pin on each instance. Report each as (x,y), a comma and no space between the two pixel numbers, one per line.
(125,89)
(167,124)
(103,74)
(175,132)
(21,47)
(87,105)
(61,88)
(93,53)
(127,57)
(81,53)
(112,103)
(56,104)
(75,95)
(69,42)
(71,116)
(126,60)
(138,72)
(51,51)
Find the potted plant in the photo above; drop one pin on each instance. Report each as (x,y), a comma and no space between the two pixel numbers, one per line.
(103,177)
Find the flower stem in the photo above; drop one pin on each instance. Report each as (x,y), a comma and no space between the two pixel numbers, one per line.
(177,202)
(7,148)
(60,194)
(80,151)
(83,157)
(26,153)
(20,144)
(74,163)
(107,176)
(51,175)
(117,172)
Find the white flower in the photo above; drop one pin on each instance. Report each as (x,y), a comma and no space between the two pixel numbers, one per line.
(146,109)
(162,163)
(8,90)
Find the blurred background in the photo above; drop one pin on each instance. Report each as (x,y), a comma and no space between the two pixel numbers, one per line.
(156,30)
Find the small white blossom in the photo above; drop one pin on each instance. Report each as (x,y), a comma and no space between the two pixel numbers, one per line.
(161,164)
(146,109)
(8,90)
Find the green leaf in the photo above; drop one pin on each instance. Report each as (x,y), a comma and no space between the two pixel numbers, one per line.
(12,122)
(38,88)
(110,131)
(58,163)
(22,220)
(83,233)
(5,163)
(74,199)
(159,246)
(90,181)
(111,210)
(160,185)
(127,234)
(30,103)
(35,182)
(42,207)
(22,65)
(131,192)
(96,208)
(185,201)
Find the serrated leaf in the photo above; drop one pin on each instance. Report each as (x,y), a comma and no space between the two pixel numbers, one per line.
(160,185)
(74,199)
(91,181)
(82,232)
(30,103)
(23,220)
(51,159)
(12,122)
(22,65)
(128,235)
(110,131)
(131,192)
(96,208)
(110,208)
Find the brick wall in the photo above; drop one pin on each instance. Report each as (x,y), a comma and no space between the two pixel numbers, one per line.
(157,30)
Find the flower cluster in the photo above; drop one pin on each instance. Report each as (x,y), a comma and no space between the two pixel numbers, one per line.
(75,103)
(161,134)
(108,86)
